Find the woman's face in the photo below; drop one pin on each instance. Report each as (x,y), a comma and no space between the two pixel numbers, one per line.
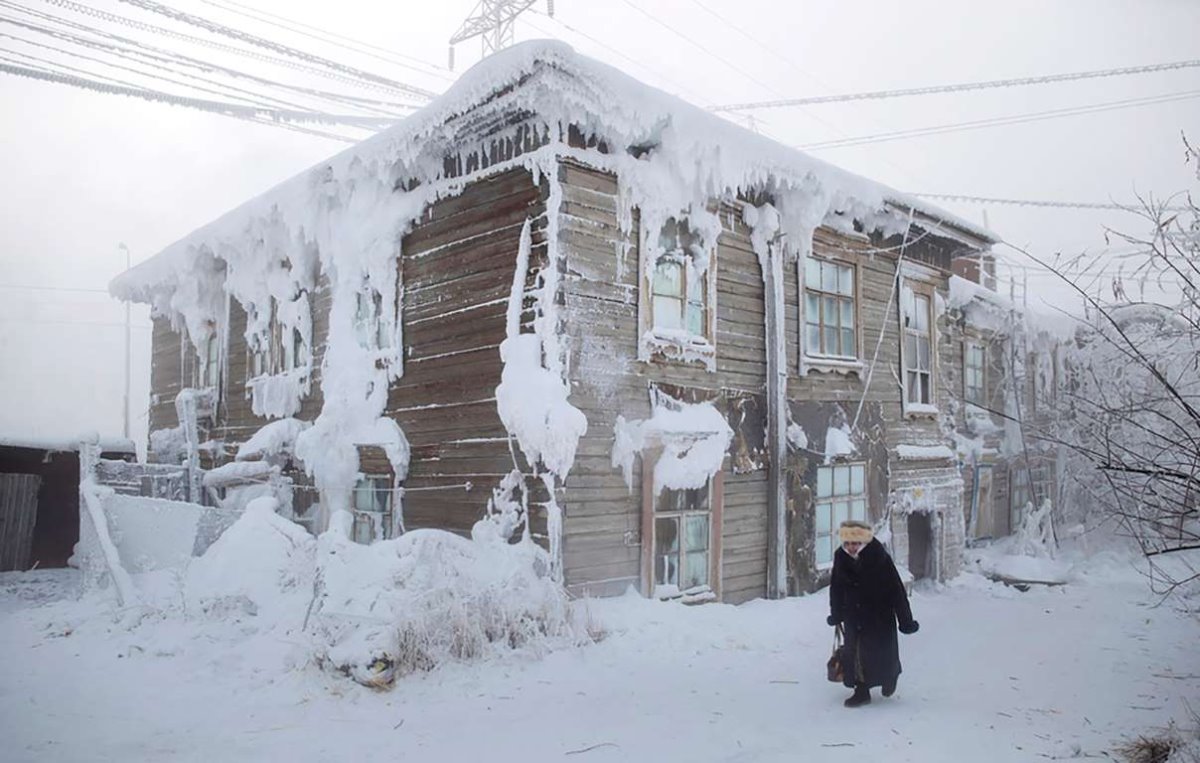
(852,547)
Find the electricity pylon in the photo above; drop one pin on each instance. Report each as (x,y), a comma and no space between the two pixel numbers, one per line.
(492,22)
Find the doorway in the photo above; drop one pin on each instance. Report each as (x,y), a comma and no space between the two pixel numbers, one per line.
(920,543)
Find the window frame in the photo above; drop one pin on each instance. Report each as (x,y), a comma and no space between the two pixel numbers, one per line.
(832,500)
(650,513)
(380,523)
(975,347)
(824,358)
(667,344)
(927,292)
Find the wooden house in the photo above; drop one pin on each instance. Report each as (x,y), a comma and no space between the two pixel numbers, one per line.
(677,352)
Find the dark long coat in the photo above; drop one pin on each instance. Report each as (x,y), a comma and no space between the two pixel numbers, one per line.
(868,598)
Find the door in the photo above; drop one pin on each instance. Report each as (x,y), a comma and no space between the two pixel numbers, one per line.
(18,515)
(920,541)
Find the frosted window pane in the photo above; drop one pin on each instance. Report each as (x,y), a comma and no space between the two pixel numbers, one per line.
(668,279)
(695,318)
(841,480)
(923,353)
(824,523)
(824,550)
(831,337)
(813,338)
(922,313)
(812,273)
(847,314)
(828,277)
(812,308)
(846,280)
(697,570)
(856,479)
(858,509)
(824,482)
(841,511)
(668,312)
(848,348)
(666,551)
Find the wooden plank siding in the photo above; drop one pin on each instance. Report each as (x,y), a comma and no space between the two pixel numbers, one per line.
(603,517)
(456,268)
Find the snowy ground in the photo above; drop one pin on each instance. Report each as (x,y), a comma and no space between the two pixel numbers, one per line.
(993,675)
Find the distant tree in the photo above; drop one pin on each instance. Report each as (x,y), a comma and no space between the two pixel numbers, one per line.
(1128,419)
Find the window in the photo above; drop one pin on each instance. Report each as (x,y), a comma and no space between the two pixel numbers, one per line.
(280,349)
(918,347)
(841,495)
(210,357)
(829,309)
(682,547)
(679,292)
(372,508)
(369,327)
(974,390)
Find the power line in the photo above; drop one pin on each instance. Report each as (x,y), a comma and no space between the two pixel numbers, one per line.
(961,87)
(272,117)
(1039,203)
(236,34)
(142,26)
(137,50)
(999,121)
(347,43)
(33,287)
(689,40)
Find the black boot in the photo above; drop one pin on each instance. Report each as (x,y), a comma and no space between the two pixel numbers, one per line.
(861,696)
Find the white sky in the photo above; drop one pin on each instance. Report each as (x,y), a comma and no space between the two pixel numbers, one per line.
(83,172)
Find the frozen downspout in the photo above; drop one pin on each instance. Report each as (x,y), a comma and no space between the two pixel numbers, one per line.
(776,424)
(764,225)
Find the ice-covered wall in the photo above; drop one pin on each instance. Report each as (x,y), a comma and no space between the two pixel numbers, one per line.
(346,219)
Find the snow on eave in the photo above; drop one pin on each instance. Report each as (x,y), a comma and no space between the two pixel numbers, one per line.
(944,223)
(558,85)
(67,444)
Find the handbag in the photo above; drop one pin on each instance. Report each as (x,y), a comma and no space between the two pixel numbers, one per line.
(834,669)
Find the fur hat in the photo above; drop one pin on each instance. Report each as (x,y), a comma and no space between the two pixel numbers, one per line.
(854,530)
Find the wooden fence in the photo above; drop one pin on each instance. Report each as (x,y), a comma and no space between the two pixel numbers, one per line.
(18,514)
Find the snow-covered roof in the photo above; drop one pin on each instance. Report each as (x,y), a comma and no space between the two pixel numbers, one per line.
(552,81)
(67,444)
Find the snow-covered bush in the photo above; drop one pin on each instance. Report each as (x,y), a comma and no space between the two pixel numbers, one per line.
(428,597)
(263,563)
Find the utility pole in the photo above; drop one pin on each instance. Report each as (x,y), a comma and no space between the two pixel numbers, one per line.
(492,21)
(125,407)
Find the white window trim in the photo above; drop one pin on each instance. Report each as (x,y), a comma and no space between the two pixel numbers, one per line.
(830,363)
(821,566)
(675,345)
(929,290)
(968,345)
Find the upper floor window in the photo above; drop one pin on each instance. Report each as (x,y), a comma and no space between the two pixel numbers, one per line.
(829,309)
(917,350)
(210,359)
(974,390)
(280,349)
(841,495)
(679,289)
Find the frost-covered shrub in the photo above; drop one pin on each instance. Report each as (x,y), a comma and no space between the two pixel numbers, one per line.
(428,597)
(262,563)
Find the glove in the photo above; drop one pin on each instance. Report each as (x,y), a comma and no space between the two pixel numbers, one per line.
(910,627)
(831,620)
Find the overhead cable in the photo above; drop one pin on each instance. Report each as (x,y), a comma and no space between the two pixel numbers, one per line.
(134,50)
(278,117)
(1039,203)
(998,121)
(237,34)
(961,87)
(322,35)
(142,26)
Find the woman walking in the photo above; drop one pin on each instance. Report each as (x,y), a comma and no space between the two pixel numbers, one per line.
(867,597)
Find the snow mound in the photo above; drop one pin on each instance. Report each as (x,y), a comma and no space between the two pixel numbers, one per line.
(260,563)
(430,597)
